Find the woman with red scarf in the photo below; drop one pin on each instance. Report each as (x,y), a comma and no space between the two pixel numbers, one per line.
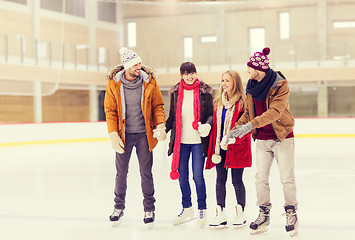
(190,121)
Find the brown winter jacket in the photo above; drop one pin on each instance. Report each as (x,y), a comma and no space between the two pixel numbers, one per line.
(152,104)
(278,110)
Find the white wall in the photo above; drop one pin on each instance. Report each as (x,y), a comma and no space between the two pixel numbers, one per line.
(13,134)
(33,132)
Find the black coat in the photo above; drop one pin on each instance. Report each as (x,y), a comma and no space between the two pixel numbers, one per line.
(206,114)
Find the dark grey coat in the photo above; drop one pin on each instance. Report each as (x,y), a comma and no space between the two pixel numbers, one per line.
(206,114)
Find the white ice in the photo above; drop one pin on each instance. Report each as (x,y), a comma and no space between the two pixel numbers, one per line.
(65,192)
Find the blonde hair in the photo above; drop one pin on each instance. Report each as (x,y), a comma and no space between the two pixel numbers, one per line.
(237,89)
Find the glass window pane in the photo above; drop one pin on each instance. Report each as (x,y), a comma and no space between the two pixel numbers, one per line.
(256,39)
(107,11)
(209,39)
(75,7)
(284,25)
(344,24)
(53,5)
(131,34)
(188,48)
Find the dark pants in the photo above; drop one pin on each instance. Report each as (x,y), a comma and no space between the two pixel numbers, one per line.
(145,159)
(237,181)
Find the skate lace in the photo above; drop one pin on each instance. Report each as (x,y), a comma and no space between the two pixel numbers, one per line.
(201,214)
(182,213)
(148,214)
(290,217)
(260,219)
(116,212)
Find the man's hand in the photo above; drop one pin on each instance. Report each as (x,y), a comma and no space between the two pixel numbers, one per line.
(159,133)
(241,130)
(116,142)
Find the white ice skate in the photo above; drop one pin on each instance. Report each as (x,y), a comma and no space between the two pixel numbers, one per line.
(185,215)
(220,221)
(240,219)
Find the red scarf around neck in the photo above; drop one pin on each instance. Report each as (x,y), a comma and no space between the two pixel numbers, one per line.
(174,174)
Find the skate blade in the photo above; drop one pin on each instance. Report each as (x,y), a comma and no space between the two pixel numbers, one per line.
(149,225)
(218,227)
(201,224)
(237,226)
(258,231)
(186,221)
(240,225)
(116,223)
(293,233)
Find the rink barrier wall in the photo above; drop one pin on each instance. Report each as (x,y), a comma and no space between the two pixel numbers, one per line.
(71,132)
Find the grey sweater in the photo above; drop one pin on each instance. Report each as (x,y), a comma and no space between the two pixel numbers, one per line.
(133,97)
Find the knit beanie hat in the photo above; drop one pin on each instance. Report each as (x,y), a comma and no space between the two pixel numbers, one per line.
(259,60)
(129,57)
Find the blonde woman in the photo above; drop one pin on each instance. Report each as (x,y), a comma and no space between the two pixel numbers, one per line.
(228,108)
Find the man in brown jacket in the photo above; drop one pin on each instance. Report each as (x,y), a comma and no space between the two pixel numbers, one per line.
(135,117)
(269,118)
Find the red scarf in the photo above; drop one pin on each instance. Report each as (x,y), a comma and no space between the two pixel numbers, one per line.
(174,174)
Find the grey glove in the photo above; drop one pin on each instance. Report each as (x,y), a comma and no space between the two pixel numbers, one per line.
(240,131)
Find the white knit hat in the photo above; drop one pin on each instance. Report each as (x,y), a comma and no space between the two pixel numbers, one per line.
(129,57)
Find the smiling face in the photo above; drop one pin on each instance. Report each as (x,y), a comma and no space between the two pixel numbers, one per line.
(133,72)
(227,83)
(255,74)
(189,78)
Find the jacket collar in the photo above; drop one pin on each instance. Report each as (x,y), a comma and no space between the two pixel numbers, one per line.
(119,76)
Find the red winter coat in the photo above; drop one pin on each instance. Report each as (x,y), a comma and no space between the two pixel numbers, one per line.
(238,154)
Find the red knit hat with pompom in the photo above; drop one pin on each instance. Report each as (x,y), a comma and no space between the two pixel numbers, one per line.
(259,60)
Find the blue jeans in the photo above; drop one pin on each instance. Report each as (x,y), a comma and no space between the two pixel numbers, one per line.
(198,163)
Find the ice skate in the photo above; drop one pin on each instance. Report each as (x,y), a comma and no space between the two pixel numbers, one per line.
(240,219)
(185,215)
(202,217)
(220,221)
(116,216)
(261,224)
(291,220)
(149,217)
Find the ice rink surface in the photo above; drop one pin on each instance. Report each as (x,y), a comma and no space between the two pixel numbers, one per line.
(64,191)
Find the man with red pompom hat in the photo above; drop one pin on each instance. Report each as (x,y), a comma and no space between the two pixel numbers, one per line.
(269,119)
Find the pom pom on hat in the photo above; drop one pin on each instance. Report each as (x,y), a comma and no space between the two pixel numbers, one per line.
(259,60)
(216,158)
(129,57)
(266,51)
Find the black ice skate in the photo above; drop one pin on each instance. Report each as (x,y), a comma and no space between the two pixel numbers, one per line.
(291,220)
(116,216)
(261,224)
(149,217)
